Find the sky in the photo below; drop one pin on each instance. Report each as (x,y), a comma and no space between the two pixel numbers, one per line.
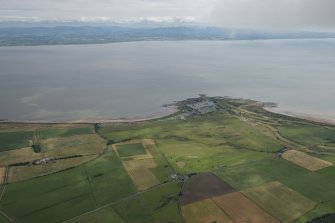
(281,14)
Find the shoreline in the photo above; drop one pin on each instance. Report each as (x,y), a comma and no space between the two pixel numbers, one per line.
(308,117)
(167,111)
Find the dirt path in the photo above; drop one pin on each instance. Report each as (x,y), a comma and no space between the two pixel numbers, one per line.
(3,192)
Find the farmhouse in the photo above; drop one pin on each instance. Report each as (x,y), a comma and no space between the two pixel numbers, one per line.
(43,161)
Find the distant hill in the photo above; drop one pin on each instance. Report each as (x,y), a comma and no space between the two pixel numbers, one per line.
(76,34)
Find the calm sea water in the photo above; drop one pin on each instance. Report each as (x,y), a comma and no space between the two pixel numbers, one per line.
(63,83)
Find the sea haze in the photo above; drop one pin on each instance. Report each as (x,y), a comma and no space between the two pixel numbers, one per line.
(132,80)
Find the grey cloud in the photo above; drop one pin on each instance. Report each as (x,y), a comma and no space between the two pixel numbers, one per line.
(316,14)
(301,14)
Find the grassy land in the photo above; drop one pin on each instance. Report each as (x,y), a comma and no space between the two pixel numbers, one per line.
(63,132)
(42,199)
(157,205)
(125,150)
(20,173)
(73,145)
(215,140)
(212,130)
(15,140)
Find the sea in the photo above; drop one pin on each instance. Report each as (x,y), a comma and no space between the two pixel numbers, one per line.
(132,80)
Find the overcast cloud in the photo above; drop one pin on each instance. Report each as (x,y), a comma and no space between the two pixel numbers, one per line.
(301,14)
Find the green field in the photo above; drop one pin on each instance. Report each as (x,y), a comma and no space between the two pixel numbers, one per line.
(309,135)
(15,140)
(157,205)
(3,219)
(133,149)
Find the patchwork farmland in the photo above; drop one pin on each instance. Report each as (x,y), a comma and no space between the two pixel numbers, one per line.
(224,204)
(139,162)
(235,165)
(288,206)
(241,209)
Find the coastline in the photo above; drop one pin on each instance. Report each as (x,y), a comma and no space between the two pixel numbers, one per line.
(309,117)
(166,111)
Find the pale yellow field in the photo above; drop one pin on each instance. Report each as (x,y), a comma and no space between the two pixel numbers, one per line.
(241,209)
(137,157)
(304,160)
(2,174)
(205,211)
(19,173)
(280,201)
(147,142)
(18,156)
(89,144)
(139,171)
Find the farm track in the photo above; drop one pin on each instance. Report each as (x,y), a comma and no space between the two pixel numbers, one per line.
(6,216)
(4,183)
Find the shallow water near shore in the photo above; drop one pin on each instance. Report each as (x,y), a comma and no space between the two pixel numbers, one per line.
(133,80)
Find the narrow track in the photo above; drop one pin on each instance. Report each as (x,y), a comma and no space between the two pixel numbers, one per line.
(4,183)
(6,216)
